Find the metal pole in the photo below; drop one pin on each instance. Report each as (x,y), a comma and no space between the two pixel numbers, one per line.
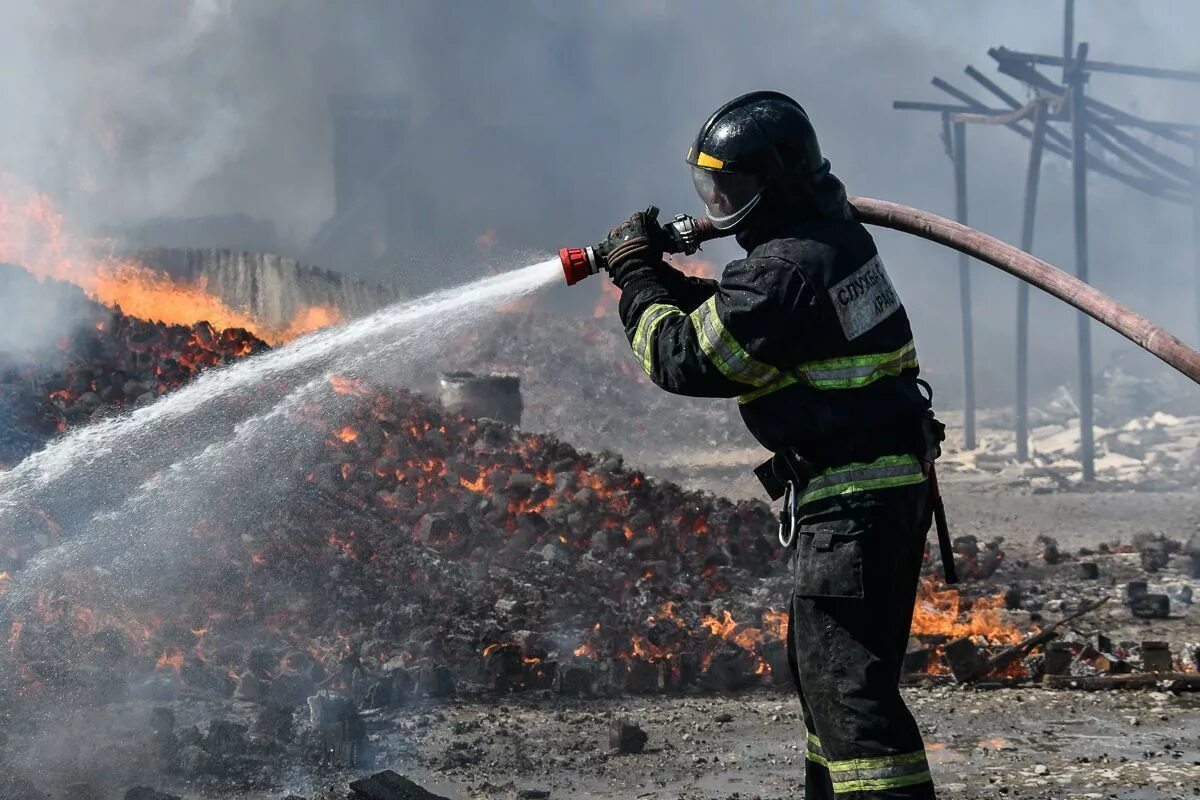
(1068,35)
(1077,80)
(1196,222)
(964,287)
(1032,176)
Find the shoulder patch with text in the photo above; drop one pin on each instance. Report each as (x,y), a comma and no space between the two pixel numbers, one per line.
(864,299)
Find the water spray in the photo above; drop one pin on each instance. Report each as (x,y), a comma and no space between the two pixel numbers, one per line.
(685,235)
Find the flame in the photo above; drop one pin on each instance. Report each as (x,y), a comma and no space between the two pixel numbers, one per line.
(308,319)
(346,434)
(723,628)
(170,659)
(5,579)
(938,611)
(35,235)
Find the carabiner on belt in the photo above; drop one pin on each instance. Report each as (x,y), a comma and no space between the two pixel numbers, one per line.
(788,516)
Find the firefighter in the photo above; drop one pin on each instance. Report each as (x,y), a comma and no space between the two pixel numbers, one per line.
(808,333)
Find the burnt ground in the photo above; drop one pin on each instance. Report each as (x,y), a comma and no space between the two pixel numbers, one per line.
(1023,743)
(983,743)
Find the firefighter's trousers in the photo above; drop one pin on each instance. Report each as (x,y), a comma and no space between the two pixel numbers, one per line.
(857,563)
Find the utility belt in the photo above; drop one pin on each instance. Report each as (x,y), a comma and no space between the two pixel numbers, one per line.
(862,466)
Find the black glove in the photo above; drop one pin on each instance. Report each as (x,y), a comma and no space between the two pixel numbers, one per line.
(635,244)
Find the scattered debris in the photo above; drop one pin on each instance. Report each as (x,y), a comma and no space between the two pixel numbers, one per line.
(626,737)
(388,785)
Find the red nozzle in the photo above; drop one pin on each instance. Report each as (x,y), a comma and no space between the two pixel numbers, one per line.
(575,263)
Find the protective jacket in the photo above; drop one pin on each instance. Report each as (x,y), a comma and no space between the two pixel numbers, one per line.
(807,332)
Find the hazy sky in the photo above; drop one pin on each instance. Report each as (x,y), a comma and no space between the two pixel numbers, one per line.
(552,121)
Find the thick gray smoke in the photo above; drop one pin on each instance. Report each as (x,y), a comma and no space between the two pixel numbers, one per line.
(545,123)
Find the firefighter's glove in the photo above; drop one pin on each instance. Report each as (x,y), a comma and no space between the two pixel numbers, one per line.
(634,246)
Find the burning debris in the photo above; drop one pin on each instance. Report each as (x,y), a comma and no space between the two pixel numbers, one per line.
(423,554)
(105,362)
(37,236)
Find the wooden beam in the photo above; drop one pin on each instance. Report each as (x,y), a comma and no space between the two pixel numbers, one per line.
(1149,173)
(964,288)
(1032,178)
(1175,131)
(1166,681)
(943,108)
(1079,126)
(1012,102)
(1184,75)
(1166,163)
(1097,164)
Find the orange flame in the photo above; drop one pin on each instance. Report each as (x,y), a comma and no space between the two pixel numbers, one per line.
(35,235)
(939,612)
(170,659)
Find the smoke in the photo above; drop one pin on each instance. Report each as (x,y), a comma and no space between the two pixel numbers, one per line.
(538,124)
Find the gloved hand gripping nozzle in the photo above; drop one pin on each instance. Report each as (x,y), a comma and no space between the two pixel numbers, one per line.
(682,235)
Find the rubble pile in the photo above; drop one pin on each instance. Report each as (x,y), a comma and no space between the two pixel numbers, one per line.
(1075,637)
(1147,437)
(101,361)
(420,554)
(440,549)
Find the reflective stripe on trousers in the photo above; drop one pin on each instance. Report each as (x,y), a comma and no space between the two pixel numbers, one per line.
(871,774)
(851,372)
(882,473)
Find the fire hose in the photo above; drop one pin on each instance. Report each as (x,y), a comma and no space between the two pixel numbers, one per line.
(685,235)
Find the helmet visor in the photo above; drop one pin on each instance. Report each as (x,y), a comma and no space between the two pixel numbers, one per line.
(727,196)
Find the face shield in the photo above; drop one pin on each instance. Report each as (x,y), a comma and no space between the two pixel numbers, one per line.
(727,196)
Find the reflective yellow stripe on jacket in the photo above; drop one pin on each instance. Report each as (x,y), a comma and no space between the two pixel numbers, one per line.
(724,351)
(851,372)
(647,327)
(882,473)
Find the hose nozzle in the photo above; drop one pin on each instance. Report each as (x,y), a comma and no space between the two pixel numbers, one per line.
(682,235)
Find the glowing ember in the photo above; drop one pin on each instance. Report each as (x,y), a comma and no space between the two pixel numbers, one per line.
(170,659)
(346,434)
(351,387)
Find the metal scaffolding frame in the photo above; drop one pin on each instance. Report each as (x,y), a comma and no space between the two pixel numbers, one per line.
(1125,147)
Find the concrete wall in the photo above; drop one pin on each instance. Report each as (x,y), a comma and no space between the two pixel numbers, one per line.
(271,287)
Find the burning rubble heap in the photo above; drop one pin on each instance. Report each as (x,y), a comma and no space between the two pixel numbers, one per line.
(104,362)
(420,554)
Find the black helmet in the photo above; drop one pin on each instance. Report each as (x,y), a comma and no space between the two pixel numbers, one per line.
(758,142)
